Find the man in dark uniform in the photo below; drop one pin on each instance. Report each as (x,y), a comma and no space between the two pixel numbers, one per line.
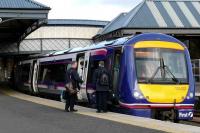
(102,81)
(73,77)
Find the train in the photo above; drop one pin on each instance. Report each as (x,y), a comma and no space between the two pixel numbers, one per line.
(151,75)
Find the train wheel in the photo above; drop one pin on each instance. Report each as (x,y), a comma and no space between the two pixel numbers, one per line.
(175,116)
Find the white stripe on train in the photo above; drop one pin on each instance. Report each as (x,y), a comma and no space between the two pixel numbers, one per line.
(138,104)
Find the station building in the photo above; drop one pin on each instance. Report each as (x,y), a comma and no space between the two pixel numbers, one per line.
(60,34)
(56,34)
(18,18)
(42,36)
(178,18)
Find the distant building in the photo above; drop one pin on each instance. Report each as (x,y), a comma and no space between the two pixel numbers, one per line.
(61,34)
(18,18)
(179,18)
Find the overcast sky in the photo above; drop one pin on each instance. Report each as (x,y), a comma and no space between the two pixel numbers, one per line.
(88,9)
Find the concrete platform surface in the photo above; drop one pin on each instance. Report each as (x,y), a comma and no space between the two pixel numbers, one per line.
(34,113)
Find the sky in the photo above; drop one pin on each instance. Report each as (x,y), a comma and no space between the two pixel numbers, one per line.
(88,9)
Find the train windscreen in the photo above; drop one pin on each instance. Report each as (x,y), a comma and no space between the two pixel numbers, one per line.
(160,65)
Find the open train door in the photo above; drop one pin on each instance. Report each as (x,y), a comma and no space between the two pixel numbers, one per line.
(83,62)
(35,69)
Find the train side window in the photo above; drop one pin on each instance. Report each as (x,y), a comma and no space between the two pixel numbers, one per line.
(52,73)
(59,75)
(42,73)
(47,74)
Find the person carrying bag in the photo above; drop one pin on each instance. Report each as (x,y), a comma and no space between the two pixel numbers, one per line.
(72,87)
(69,87)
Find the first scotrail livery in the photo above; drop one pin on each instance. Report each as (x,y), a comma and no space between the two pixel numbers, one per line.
(151,75)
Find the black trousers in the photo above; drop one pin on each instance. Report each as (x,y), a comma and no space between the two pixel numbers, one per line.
(101,100)
(70,101)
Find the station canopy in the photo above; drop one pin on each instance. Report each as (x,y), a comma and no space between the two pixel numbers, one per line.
(162,16)
(18,18)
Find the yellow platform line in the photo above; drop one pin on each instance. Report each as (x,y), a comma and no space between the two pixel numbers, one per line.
(116,117)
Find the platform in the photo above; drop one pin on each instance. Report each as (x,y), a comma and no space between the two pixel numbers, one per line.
(21,113)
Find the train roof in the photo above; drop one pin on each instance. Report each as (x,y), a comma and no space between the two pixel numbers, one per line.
(116,42)
(112,43)
(121,41)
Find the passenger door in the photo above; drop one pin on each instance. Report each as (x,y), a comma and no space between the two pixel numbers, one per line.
(83,61)
(35,76)
(116,72)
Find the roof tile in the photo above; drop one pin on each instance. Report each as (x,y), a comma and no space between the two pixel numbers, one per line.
(159,14)
(25,4)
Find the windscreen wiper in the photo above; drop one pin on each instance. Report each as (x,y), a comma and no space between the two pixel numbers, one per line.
(173,76)
(165,69)
(161,67)
(153,76)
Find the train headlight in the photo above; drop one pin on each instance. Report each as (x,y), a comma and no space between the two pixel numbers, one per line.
(137,95)
(191,95)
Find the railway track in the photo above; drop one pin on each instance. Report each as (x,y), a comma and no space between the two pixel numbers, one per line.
(196,118)
(195,121)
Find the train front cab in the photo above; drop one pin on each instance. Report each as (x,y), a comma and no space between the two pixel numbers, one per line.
(156,78)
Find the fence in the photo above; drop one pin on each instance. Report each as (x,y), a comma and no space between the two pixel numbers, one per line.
(196,71)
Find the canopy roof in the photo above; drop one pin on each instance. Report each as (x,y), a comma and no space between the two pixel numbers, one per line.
(161,15)
(18,18)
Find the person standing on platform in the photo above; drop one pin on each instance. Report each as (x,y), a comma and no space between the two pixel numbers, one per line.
(72,87)
(101,79)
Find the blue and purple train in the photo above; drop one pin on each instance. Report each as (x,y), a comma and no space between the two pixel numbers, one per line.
(151,74)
